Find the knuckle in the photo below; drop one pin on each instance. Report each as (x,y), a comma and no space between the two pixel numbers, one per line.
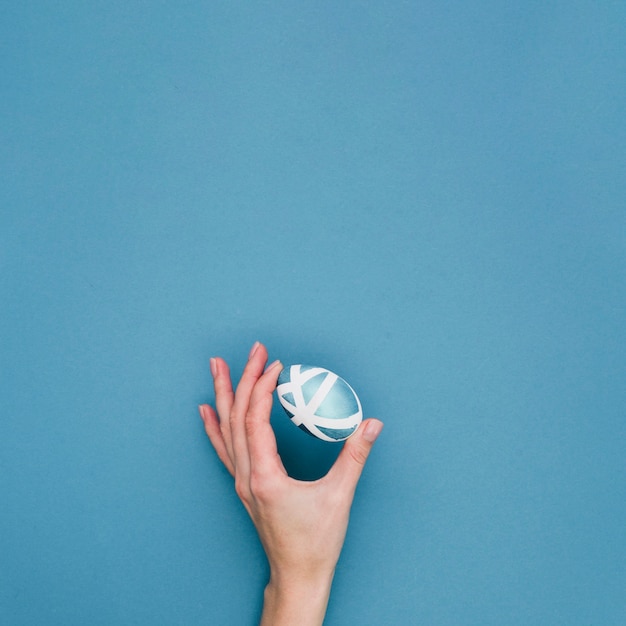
(358,454)
(261,403)
(241,489)
(262,489)
(251,424)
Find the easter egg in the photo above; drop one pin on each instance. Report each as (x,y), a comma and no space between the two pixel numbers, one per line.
(319,402)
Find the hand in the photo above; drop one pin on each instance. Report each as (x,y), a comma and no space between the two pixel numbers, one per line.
(302,525)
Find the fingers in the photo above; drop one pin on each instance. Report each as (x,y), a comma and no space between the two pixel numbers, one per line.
(224,398)
(261,440)
(212,427)
(347,469)
(251,374)
(240,430)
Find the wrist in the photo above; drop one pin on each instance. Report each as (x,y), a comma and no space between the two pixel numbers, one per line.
(298,600)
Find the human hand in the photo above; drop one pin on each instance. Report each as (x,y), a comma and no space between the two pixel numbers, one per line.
(301,525)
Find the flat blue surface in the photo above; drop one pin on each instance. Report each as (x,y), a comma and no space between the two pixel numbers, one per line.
(428,198)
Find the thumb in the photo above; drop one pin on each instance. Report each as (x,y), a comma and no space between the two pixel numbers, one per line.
(351,460)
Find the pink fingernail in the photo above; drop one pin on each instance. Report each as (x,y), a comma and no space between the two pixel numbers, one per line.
(272,366)
(213,363)
(253,349)
(372,430)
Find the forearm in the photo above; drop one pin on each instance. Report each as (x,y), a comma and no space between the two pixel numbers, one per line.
(296,602)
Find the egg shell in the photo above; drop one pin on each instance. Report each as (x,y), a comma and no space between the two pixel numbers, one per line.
(319,402)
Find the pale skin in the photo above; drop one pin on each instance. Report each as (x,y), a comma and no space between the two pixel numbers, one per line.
(301,525)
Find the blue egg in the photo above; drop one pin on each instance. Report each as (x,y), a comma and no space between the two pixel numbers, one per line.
(319,402)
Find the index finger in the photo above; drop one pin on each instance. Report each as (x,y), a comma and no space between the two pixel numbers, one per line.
(261,440)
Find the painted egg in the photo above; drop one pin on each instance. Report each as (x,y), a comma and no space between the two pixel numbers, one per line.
(319,402)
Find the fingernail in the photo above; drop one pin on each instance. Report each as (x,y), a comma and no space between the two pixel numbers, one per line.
(213,362)
(273,365)
(253,349)
(372,430)
(201,411)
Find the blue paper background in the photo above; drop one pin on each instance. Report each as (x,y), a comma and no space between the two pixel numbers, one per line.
(427,198)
